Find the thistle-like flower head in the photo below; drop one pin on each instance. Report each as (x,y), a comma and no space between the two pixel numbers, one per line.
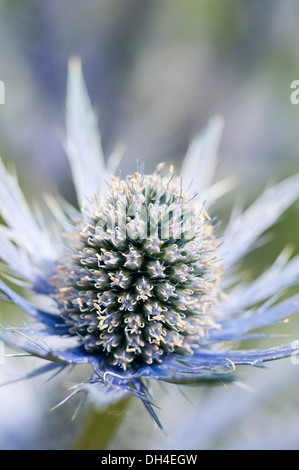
(137,277)
(140,277)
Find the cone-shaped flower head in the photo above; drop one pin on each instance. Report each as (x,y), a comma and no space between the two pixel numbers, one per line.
(140,276)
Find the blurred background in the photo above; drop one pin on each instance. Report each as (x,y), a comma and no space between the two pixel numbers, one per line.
(156,71)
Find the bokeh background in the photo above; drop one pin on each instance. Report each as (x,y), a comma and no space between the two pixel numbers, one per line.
(156,71)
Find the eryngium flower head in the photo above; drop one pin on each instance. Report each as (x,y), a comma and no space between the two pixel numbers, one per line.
(140,286)
(137,277)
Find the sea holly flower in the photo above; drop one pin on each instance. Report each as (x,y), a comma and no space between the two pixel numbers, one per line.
(138,278)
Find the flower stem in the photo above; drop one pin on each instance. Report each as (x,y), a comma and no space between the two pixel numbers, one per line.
(100,426)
